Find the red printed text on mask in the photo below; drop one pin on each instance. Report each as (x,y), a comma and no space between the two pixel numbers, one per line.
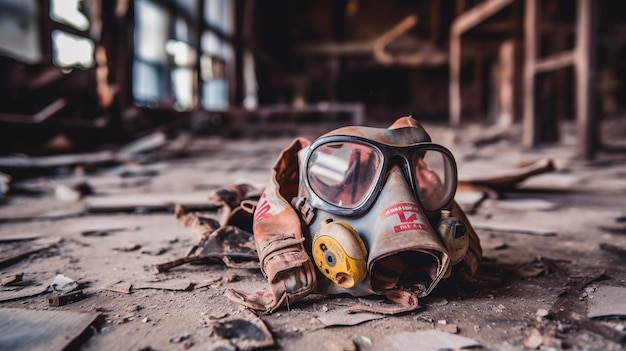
(408,215)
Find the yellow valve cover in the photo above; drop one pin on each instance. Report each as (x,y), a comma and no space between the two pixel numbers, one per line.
(340,254)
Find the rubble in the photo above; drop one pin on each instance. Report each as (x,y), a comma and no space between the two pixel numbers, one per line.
(532,290)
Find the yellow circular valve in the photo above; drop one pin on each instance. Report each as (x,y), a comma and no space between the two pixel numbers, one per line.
(340,254)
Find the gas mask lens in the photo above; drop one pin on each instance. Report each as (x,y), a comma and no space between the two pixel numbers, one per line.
(345,171)
(435,178)
(343,174)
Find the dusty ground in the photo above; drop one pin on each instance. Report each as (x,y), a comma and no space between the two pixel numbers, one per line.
(533,290)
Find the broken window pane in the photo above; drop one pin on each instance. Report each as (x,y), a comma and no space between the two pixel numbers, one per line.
(146,83)
(182,84)
(19,30)
(215,94)
(183,54)
(69,12)
(71,50)
(219,14)
(151,31)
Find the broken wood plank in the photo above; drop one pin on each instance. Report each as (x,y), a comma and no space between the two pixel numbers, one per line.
(607,301)
(28,291)
(141,145)
(14,256)
(510,177)
(30,330)
(23,162)
(424,340)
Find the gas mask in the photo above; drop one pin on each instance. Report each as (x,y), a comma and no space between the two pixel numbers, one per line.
(376,216)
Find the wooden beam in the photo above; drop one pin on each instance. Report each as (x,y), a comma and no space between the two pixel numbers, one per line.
(586,29)
(555,61)
(45,113)
(455,80)
(461,24)
(477,14)
(425,58)
(506,94)
(531,32)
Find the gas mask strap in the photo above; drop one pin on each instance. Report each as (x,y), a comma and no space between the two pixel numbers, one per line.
(440,274)
(303,207)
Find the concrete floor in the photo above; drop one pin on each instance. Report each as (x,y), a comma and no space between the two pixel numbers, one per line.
(535,289)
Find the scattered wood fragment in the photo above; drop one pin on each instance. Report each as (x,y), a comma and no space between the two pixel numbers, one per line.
(12,279)
(23,292)
(245,330)
(340,317)
(121,287)
(66,299)
(174,284)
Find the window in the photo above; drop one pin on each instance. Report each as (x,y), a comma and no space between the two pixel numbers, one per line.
(19,30)
(217,58)
(181,51)
(71,45)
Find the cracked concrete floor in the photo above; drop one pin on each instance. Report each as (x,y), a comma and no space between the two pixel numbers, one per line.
(529,284)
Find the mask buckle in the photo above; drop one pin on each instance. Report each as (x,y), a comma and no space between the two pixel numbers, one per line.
(306,211)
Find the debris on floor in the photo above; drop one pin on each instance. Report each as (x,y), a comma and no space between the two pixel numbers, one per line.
(243,330)
(55,330)
(607,301)
(552,276)
(22,251)
(342,317)
(426,340)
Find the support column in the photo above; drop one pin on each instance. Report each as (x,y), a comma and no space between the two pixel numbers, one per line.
(531,33)
(585,66)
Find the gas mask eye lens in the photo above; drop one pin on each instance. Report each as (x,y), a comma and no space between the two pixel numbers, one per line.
(434,179)
(343,173)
